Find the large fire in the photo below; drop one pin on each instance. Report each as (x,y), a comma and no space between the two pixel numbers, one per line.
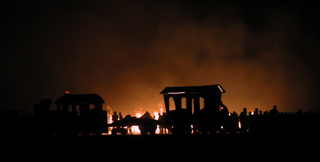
(135,128)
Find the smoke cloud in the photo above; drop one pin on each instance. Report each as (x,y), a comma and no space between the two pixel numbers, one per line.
(127,52)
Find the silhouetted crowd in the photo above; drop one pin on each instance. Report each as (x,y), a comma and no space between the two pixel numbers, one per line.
(273,121)
(20,123)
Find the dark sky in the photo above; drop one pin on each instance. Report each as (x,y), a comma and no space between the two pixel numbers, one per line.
(263,53)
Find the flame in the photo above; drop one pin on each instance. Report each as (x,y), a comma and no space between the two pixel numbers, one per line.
(109,114)
(160,106)
(158,130)
(134,129)
(156,115)
(109,111)
(138,114)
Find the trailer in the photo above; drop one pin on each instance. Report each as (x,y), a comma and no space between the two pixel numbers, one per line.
(192,117)
(75,114)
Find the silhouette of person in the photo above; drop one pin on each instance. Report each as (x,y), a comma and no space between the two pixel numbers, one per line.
(120,116)
(274,111)
(115,117)
(244,120)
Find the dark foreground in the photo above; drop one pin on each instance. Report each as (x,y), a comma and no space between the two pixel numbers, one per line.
(166,140)
(179,147)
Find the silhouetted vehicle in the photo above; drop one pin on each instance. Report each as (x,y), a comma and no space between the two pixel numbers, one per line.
(209,119)
(80,118)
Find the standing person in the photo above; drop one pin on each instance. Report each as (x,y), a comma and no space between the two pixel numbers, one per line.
(115,117)
(120,116)
(244,120)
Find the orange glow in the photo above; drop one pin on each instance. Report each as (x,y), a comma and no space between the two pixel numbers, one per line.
(67,92)
(135,129)
(156,115)
(138,114)
(161,111)
(109,111)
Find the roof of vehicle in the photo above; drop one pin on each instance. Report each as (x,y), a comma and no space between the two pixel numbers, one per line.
(194,89)
(70,99)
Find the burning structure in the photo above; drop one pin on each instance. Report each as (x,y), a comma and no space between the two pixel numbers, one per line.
(207,119)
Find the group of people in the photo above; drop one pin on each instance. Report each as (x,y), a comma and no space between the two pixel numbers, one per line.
(257,121)
(273,121)
(116,118)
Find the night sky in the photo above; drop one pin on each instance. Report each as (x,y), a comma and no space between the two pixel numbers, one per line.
(262,53)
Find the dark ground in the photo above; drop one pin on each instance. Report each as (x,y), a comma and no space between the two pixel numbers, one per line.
(164,147)
(154,141)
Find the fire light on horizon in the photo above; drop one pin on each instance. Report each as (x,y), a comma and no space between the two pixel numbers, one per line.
(138,114)
(156,115)
(134,129)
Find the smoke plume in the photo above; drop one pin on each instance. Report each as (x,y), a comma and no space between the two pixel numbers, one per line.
(127,52)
